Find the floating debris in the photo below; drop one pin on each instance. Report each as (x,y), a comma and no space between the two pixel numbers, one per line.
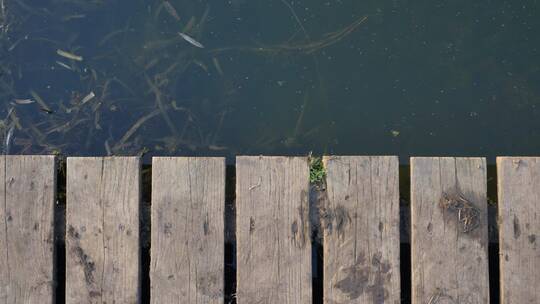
(217,65)
(88,97)
(176,107)
(151,64)
(60,63)
(136,126)
(7,142)
(201,65)
(202,20)
(11,114)
(108,148)
(46,111)
(189,25)
(306,48)
(171,10)
(24,101)
(217,148)
(83,118)
(44,107)
(113,34)
(69,55)
(71,17)
(14,45)
(191,40)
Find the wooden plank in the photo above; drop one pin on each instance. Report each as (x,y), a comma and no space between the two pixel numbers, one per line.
(273,230)
(28,189)
(449,230)
(361,230)
(519,229)
(188,201)
(102,221)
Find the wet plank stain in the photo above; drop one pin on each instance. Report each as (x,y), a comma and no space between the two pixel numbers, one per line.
(361,213)
(448,230)
(102,252)
(365,278)
(466,214)
(517,228)
(86,262)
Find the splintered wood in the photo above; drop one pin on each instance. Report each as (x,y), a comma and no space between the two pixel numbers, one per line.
(361,230)
(519,229)
(187,252)
(273,230)
(102,223)
(449,230)
(28,187)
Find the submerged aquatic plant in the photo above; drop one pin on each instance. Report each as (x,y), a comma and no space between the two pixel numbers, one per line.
(130,83)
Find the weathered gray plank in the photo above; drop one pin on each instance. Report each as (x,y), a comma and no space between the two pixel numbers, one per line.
(519,229)
(188,201)
(28,188)
(102,241)
(449,230)
(361,230)
(273,230)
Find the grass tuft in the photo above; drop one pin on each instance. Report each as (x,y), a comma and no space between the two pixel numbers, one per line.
(317,172)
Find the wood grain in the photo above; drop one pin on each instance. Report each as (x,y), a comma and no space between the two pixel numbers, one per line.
(273,230)
(449,230)
(187,252)
(519,229)
(28,189)
(361,230)
(102,222)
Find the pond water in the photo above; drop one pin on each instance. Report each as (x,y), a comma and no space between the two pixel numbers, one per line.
(285,77)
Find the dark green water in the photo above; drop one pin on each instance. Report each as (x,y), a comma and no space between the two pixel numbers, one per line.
(274,77)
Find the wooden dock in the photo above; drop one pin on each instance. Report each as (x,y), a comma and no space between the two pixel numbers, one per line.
(359,219)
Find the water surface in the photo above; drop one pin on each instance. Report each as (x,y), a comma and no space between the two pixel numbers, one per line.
(274,77)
